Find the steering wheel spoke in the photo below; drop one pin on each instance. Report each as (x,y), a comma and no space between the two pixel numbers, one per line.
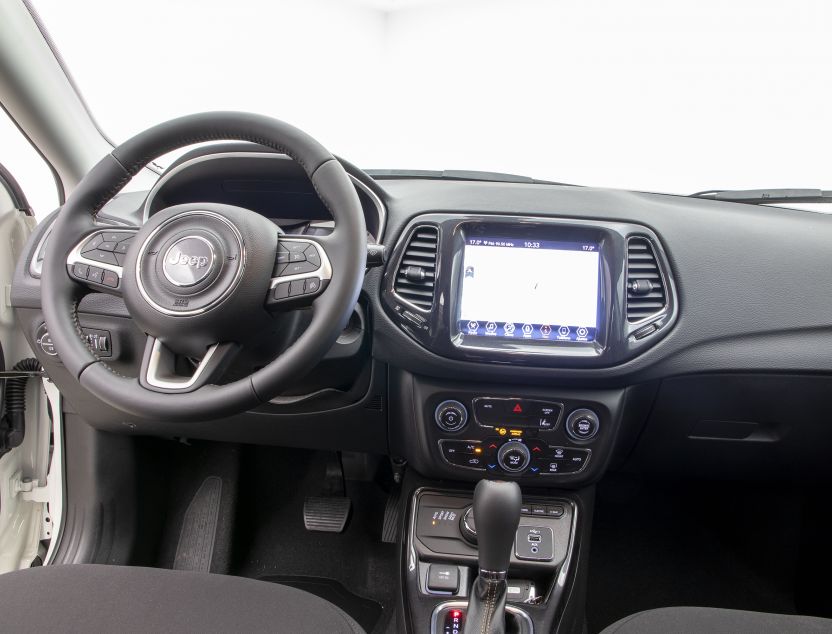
(301,273)
(161,369)
(97,261)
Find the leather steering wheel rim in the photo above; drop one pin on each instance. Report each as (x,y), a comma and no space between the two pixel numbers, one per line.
(345,248)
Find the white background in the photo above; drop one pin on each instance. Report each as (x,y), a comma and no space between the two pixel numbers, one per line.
(530,286)
(638,94)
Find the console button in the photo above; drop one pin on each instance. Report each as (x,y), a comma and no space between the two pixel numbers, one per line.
(462,453)
(556,510)
(443,578)
(451,415)
(582,425)
(488,410)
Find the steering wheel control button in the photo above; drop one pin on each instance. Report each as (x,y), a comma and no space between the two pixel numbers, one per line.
(95,275)
(582,425)
(92,243)
(312,256)
(297,268)
(451,416)
(80,271)
(296,287)
(107,246)
(107,257)
(514,457)
(281,291)
(110,278)
(188,261)
(534,543)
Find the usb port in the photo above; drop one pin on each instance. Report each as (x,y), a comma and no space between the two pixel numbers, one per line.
(534,539)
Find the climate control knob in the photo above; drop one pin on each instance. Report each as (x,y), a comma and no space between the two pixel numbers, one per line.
(451,415)
(514,457)
(582,425)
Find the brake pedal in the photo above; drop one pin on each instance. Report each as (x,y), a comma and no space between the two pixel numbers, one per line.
(329,512)
(326,515)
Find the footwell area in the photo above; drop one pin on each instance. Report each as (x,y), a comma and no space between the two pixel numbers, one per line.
(702,544)
(257,526)
(354,569)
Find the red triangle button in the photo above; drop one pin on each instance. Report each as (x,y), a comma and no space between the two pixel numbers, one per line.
(517,409)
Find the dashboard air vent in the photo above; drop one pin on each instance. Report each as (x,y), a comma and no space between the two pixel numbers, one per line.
(417,270)
(646,294)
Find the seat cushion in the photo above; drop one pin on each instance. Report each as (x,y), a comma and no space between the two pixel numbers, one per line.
(715,621)
(126,599)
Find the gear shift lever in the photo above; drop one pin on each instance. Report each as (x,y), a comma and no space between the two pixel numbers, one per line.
(496,514)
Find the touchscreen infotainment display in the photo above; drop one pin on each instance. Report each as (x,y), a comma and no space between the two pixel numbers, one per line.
(530,289)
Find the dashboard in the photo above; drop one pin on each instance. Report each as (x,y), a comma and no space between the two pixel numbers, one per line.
(542,332)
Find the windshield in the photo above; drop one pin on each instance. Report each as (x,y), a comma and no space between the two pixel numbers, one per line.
(649,95)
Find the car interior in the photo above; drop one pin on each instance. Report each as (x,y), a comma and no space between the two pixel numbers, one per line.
(263,389)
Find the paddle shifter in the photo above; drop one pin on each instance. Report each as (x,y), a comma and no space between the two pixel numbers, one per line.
(496,515)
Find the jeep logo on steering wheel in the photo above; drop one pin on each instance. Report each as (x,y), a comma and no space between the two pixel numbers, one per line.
(188,261)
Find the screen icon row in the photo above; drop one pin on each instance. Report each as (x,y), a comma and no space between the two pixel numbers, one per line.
(527,331)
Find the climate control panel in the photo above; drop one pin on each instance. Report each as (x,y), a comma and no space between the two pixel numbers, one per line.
(515,436)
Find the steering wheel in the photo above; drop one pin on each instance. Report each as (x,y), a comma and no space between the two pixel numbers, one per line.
(202,280)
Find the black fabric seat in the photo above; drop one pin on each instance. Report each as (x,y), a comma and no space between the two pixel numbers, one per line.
(715,621)
(124,599)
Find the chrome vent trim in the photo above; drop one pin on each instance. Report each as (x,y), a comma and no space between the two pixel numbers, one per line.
(642,264)
(420,253)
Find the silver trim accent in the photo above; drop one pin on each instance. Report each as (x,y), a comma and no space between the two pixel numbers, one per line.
(377,202)
(75,256)
(234,283)
(207,273)
(448,403)
(182,383)
(461,605)
(35,266)
(323,272)
(667,285)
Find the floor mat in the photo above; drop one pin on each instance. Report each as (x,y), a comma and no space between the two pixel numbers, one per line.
(704,544)
(364,611)
(199,528)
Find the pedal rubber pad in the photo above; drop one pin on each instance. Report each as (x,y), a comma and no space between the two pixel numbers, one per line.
(327,515)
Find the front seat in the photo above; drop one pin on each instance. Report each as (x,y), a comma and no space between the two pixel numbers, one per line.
(688,620)
(91,598)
